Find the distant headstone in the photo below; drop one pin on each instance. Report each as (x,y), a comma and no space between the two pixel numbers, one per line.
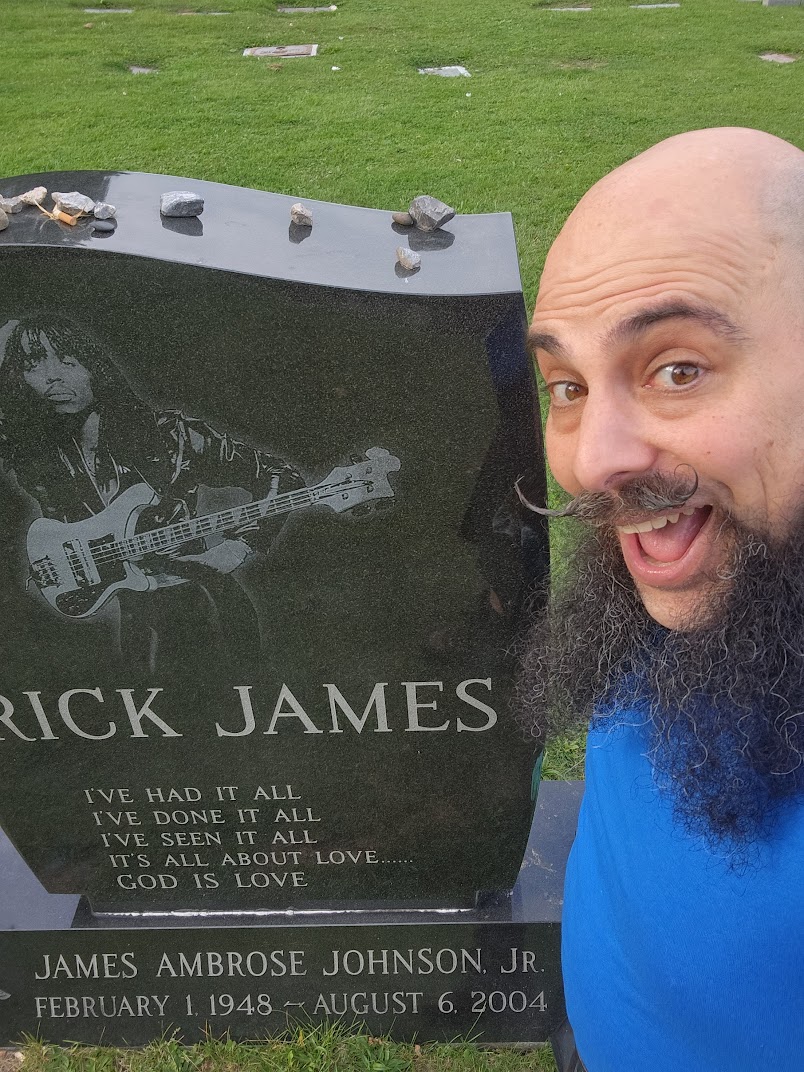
(446,72)
(782,3)
(263,567)
(282,51)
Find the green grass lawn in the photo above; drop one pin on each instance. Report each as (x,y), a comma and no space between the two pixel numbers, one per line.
(319,1050)
(556,99)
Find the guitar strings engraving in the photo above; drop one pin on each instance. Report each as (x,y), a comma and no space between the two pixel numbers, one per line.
(78,566)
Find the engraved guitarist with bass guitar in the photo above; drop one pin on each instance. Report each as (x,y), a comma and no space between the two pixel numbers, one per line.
(118,488)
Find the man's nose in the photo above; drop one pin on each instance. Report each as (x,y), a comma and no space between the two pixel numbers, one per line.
(614,444)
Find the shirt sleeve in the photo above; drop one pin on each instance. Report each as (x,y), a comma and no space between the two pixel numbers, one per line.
(202,455)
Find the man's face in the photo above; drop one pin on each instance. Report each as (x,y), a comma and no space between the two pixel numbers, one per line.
(61,381)
(668,345)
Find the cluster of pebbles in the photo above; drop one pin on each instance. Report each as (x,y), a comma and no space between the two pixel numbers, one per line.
(428,214)
(67,208)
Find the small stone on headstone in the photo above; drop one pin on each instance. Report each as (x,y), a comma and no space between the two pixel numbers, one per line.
(429,213)
(301,215)
(446,72)
(34,197)
(142,70)
(103,225)
(408,258)
(3,220)
(103,211)
(777,57)
(9,205)
(286,51)
(181,203)
(73,203)
(404,219)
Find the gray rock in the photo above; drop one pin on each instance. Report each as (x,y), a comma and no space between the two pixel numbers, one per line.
(181,203)
(3,220)
(35,196)
(103,225)
(10,205)
(408,258)
(429,213)
(404,219)
(74,203)
(104,211)
(301,215)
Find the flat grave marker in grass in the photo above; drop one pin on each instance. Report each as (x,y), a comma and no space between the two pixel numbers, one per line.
(306,10)
(282,51)
(454,71)
(777,57)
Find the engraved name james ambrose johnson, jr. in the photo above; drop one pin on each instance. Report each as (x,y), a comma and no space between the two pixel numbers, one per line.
(275,963)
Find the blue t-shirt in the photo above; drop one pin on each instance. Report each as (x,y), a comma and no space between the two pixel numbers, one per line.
(673,960)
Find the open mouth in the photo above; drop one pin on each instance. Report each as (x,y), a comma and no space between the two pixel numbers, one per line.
(669,549)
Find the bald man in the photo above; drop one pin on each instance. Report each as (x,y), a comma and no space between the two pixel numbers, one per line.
(669,330)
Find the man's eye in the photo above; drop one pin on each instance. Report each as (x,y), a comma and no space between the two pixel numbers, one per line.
(677,375)
(564,392)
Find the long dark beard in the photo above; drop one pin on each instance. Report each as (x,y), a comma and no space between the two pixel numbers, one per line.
(722,701)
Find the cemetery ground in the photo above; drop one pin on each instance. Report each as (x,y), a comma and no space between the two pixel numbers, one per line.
(555,99)
(330,1049)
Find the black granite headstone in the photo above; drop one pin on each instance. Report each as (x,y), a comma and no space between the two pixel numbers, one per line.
(262,568)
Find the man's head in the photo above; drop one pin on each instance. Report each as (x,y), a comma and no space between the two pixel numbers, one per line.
(669,328)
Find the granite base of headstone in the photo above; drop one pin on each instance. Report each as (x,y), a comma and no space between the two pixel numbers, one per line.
(263,569)
(491,974)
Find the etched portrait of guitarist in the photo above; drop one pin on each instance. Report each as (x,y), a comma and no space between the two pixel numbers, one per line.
(118,488)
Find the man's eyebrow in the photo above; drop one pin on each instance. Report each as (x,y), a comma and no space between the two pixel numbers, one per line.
(716,321)
(542,340)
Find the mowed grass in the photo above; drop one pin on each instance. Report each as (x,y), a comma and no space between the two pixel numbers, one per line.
(557,98)
(327,1049)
